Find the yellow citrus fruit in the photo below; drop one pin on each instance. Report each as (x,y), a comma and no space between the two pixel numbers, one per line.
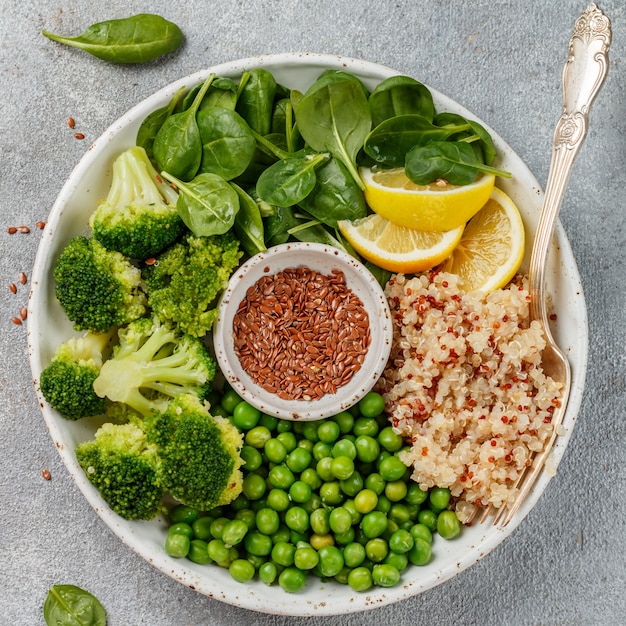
(396,248)
(491,249)
(438,206)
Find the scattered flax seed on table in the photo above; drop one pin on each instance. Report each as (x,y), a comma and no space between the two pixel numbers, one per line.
(300,334)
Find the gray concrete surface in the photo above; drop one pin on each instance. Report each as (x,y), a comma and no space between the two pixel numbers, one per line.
(503,60)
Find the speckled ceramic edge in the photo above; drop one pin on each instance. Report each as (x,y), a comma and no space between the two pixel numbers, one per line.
(47,326)
(324,259)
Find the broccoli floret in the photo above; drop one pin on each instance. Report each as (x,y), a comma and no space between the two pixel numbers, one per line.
(139,216)
(97,288)
(124,467)
(153,362)
(200,460)
(185,282)
(67,381)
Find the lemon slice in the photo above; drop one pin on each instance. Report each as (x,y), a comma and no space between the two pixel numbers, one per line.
(396,248)
(491,249)
(438,206)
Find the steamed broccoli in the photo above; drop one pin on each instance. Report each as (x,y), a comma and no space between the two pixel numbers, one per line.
(67,381)
(153,362)
(138,217)
(97,288)
(124,468)
(200,460)
(184,284)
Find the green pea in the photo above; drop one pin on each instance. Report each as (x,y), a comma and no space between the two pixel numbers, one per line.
(300,492)
(275,451)
(344,447)
(311,478)
(230,400)
(251,458)
(374,524)
(345,421)
(376,549)
(384,504)
(267,521)
(365,426)
(282,534)
(313,503)
(181,528)
(284,426)
(392,468)
(324,468)
(331,493)
(198,552)
(217,526)
(298,460)
(448,525)
(248,516)
(240,503)
(309,431)
(350,506)
(321,449)
(390,440)
(268,572)
(184,513)
(366,500)
(234,532)
(401,541)
(288,439)
(280,477)
(345,537)
(218,552)
(241,570)
(245,416)
(371,404)
(257,543)
(258,436)
(177,545)
(385,575)
(319,521)
(306,444)
(399,560)
(396,490)
(296,518)
(254,486)
(421,531)
(428,518)
(342,467)
(292,580)
(415,494)
(360,579)
(439,498)
(269,421)
(283,553)
(330,561)
(305,558)
(340,520)
(420,553)
(278,499)
(375,483)
(353,554)
(328,431)
(367,448)
(202,528)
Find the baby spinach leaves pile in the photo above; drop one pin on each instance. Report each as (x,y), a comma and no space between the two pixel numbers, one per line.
(276,164)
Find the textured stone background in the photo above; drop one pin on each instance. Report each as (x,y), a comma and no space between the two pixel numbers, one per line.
(502,59)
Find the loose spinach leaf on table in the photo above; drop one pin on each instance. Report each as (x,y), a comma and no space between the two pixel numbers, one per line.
(137,39)
(177,146)
(400,95)
(207,204)
(69,605)
(336,118)
(390,141)
(454,161)
(228,144)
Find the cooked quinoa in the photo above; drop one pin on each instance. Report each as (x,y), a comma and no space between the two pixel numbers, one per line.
(464,383)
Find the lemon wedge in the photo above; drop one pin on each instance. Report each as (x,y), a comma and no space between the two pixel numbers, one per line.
(438,206)
(396,248)
(491,249)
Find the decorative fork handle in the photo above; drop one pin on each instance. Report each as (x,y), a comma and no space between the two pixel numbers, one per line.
(583,75)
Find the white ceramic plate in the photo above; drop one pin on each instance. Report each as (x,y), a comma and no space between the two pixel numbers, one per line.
(48,327)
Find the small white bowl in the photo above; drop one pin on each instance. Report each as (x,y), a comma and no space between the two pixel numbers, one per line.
(324,259)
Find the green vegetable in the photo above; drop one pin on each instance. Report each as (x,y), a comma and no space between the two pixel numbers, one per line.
(124,467)
(400,95)
(199,453)
(207,204)
(336,118)
(69,605)
(476,135)
(138,217)
(137,39)
(454,161)
(97,288)
(154,362)
(184,283)
(67,381)
(256,100)
(177,146)
(249,223)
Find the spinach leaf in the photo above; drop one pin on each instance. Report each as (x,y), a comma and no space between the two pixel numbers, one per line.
(400,95)
(256,100)
(249,223)
(69,605)
(335,76)
(278,224)
(137,39)
(336,118)
(477,134)
(454,161)
(153,122)
(283,123)
(389,142)
(207,204)
(314,232)
(177,146)
(228,144)
(290,180)
(335,195)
